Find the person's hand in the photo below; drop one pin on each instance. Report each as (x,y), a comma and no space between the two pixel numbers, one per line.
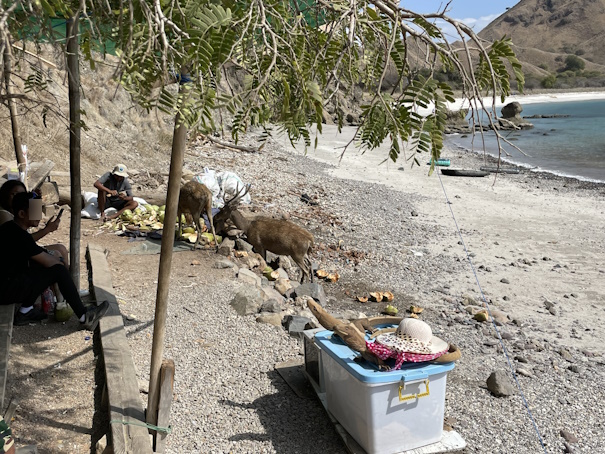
(53,225)
(123,196)
(113,192)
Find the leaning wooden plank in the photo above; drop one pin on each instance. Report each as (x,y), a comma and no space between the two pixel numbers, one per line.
(122,386)
(6,331)
(37,176)
(166,395)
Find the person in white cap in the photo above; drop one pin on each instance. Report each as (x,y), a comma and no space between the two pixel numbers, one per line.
(115,192)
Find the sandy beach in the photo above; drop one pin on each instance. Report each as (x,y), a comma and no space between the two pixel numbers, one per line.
(533,98)
(503,219)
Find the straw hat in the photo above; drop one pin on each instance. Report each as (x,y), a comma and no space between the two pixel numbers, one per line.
(413,336)
(120,170)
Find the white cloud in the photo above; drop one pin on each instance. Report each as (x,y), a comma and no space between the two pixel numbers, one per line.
(478,23)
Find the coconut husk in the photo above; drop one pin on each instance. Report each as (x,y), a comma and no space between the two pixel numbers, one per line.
(388,296)
(376,296)
(453,354)
(321,273)
(332,277)
(362,299)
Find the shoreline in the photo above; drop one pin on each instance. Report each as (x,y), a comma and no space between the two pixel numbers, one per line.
(461,103)
(579,181)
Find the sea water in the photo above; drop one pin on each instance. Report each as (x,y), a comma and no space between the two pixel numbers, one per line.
(571,146)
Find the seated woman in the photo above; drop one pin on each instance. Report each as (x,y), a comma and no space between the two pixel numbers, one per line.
(7,193)
(26,269)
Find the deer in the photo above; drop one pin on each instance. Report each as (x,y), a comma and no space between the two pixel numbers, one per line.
(274,235)
(195,199)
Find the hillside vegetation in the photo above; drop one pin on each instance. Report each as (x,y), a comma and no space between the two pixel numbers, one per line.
(559,42)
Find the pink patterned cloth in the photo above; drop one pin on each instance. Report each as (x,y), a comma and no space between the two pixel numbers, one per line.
(384,353)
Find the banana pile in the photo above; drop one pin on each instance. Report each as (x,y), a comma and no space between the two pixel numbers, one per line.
(147,218)
(144,218)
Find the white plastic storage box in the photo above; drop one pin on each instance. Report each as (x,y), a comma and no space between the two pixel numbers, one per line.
(385,412)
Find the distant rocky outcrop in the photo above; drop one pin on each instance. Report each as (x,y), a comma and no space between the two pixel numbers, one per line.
(511,117)
(456,122)
(547,116)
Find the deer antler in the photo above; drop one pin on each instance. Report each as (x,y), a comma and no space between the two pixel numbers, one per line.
(234,201)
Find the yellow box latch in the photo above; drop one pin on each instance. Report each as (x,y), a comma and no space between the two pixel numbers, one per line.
(413,396)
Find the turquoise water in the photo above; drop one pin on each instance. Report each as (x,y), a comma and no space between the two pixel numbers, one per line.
(573,146)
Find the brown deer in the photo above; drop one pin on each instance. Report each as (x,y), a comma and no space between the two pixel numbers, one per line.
(195,199)
(274,235)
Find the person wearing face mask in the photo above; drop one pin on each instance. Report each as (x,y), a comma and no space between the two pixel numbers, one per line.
(26,269)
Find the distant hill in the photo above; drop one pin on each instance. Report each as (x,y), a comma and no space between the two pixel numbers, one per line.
(545,32)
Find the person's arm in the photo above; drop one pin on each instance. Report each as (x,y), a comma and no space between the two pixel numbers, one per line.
(100,185)
(50,227)
(46,260)
(128,190)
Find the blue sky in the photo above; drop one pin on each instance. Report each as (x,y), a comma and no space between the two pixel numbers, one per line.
(475,13)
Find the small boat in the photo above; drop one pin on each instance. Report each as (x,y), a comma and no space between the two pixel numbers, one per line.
(440,162)
(512,170)
(464,173)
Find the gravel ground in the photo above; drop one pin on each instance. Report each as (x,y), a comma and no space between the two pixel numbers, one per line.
(228,397)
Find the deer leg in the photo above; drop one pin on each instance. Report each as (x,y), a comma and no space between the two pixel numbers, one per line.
(196,222)
(309,268)
(303,268)
(209,214)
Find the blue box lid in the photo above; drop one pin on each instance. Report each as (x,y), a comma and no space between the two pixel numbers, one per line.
(367,372)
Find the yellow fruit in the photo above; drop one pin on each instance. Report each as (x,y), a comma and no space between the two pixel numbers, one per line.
(390,310)
(481,316)
(188,230)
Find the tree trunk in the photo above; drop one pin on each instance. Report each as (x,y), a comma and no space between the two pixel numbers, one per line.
(8,67)
(179,142)
(73,71)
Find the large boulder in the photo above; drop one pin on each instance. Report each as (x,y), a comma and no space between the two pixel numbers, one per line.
(499,384)
(314,290)
(511,117)
(247,300)
(512,110)
(456,122)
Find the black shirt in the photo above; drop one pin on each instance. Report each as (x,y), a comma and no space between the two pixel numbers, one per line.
(110,182)
(17,247)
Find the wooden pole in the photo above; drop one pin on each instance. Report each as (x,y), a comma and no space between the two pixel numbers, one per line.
(12,108)
(179,141)
(73,71)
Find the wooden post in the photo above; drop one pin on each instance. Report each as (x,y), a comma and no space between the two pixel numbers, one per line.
(166,393)
(179,141)
(73,71)
(12,108)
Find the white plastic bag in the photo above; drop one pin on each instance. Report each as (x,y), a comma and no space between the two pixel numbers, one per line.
(231,184)
(208,179)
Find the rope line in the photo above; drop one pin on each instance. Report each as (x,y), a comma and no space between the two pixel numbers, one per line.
(531,417)
(165,430)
